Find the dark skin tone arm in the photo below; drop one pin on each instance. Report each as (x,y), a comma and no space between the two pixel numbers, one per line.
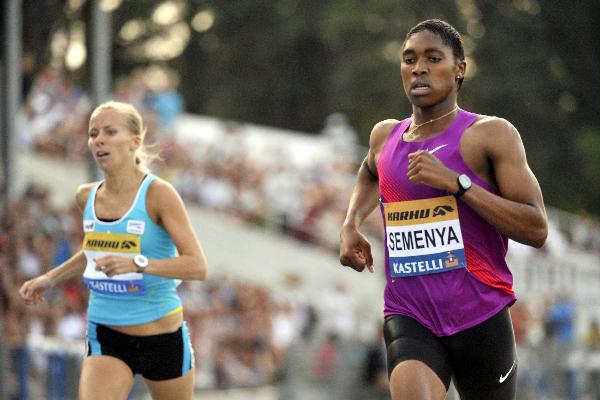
(355,249)
(492,148)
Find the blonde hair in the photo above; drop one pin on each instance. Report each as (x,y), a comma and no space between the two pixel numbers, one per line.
(135,124)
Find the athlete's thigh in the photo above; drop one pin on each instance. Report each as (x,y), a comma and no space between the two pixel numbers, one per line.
(415,380)
(417,361)
(104,377)
(484,360)
(181,388)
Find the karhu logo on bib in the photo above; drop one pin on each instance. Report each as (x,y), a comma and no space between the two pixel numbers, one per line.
(128,244)
(442,210)
(113,242)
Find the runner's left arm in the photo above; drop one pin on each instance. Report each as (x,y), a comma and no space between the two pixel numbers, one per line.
(518,212)
(166,207)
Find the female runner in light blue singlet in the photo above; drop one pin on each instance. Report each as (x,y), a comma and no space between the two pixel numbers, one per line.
(138,244)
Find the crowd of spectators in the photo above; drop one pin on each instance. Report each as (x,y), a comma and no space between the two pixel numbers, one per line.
(263,188)
(241,330)
(555,361)
(307,201)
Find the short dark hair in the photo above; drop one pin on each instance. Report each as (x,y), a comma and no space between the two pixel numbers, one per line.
(444,31)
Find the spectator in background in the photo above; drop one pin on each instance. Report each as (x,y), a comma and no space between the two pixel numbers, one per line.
(560,325)
(586,233)
(167,103)
(338,310)
(343,137)
(326,358)
(592,346)
(375,370)
(27,72)
(16,321)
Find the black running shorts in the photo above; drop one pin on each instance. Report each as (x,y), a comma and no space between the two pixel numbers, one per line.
(157,357)
(482,360)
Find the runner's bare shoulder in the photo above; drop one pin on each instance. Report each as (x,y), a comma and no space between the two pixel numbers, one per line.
(493,133)
(491,125)
(381,131)
(82,193)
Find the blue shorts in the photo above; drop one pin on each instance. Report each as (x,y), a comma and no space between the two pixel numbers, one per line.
(156,357)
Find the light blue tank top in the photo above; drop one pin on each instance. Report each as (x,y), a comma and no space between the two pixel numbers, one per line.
(132,298)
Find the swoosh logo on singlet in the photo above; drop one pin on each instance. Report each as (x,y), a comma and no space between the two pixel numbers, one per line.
(437,148)
(503,377)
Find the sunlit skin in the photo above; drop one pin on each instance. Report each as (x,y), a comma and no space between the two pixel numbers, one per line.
(115,148)
(492,149)
(429,75)
(111,142)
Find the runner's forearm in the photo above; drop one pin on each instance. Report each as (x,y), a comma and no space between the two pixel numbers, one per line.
(74,266)
(364,199)
(524,223)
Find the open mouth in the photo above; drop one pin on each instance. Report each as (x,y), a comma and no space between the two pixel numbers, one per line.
(420,88)
(102,154)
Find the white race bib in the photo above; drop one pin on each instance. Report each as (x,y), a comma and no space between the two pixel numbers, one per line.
(98,244)
(423,237)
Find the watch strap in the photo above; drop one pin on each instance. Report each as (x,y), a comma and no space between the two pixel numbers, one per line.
(461,189)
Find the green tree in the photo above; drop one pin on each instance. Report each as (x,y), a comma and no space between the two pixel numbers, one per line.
(290,63)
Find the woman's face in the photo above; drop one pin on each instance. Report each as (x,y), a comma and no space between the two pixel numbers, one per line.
(429,69)
(110,140)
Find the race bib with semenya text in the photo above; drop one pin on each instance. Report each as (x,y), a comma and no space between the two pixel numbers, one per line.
(423,237)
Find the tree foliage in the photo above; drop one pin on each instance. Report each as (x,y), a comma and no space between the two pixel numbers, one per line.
(290,63)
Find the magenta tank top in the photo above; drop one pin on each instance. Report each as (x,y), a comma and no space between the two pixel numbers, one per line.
(445,266)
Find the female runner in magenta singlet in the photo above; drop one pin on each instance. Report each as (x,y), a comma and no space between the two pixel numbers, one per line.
(452,187)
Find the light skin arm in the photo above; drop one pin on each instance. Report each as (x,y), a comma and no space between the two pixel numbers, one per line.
(355,249)
(167,209)
(519,211)
(33,290)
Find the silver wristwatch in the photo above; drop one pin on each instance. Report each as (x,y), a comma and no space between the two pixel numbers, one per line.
(464,184)
(141,262)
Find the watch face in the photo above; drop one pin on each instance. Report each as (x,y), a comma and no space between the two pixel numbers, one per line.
(464,181)
(140,260)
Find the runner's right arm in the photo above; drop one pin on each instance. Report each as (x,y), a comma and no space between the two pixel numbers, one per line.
(355,249)
(32,291)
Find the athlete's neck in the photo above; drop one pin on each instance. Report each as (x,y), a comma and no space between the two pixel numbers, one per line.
(423,115)
(123,181)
